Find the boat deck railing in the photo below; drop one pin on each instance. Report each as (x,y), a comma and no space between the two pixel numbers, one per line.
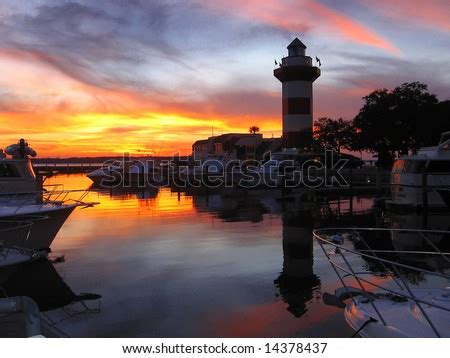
(55,193)
(13,235)
(50,195)
(343,263)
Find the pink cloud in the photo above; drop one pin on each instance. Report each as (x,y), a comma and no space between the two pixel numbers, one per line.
(299,16)
(432,13)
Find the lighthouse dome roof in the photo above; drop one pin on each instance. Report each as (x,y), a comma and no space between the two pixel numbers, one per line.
(296,43)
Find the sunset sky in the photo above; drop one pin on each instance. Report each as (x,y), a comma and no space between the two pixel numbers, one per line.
(86,78)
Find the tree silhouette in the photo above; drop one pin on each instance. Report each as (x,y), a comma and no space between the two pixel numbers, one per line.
(396,122)
(333,134)
(253,129)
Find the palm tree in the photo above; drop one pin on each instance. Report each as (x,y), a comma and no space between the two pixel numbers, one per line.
(253,129)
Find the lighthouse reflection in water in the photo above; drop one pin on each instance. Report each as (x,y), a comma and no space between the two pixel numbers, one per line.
(167,263)
(297,282)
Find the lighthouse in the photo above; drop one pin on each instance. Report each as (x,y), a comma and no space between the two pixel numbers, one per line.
(297,74)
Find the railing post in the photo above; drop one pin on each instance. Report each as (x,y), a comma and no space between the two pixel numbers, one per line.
(425,198)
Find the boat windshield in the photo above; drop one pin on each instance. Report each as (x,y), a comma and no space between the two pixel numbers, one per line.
(8,171)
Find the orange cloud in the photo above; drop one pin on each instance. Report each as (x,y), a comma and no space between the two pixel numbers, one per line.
(299,16)
(61,116)
(92,134)
(432,13)
(63,113)
(349,28)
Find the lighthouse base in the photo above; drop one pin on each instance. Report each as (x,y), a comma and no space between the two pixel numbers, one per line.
(298,139)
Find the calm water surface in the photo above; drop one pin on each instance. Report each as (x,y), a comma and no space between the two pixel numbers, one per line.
(171,264)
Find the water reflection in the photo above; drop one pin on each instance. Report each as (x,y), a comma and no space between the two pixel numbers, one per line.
(40,281)
(412,249)
(126,193)
(232,209)
(196,263)
(57,302)
(297,282)
(409,241)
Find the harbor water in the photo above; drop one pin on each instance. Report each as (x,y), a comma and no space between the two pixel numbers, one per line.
(176,263)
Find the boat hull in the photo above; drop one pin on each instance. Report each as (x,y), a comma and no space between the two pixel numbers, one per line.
(12,257)
(403,319)
(413,197)
(130,180)
(46,225)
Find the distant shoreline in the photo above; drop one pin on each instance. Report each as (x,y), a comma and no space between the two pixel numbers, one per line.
(96,159)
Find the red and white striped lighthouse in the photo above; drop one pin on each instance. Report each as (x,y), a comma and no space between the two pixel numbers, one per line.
(297,75)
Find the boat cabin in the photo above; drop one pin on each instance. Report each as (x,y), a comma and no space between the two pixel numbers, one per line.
(423,179)
(16,172)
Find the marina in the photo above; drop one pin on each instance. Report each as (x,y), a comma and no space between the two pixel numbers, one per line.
(224,178)
(245,244)
(249,264)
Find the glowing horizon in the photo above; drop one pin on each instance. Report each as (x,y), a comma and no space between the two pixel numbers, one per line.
(82,79)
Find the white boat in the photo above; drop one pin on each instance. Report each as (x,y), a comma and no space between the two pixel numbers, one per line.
(25,313)
(47,219)
(291,165)
(288,160)
(16,172)
(11,234)
(22,197)
(127,173)
(403,316)
(38,281)
(423,179)
(394,295)
(282,162)
(211,165)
